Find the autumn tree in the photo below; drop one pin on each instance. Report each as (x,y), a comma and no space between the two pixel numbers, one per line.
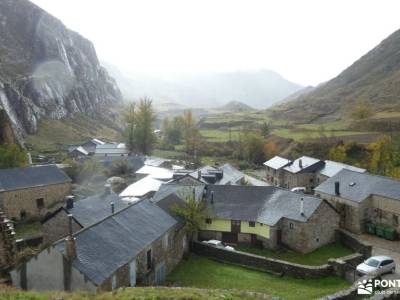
(173,130)
(12,156)
(362,110)
(338,153)
(129,119)
(254,148)
(144,138)
(385,158)
(265,129)
(191,132)
(270,149)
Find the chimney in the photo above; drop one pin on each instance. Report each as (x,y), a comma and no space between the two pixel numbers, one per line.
(112,207)
(69,202)
(212,197)
(107,189)
(302,206)
(337,188)
(199,174)
(70,241)
(300,164)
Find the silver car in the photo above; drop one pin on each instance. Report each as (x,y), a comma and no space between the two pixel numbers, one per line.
(377,265)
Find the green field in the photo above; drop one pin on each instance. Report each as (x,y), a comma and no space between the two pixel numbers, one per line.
(301,135)
(202,272)
(315,258)
(151,293)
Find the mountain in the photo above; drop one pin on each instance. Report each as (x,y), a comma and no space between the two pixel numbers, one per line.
(47,71)
(374,78)
(235,106)
(259,89)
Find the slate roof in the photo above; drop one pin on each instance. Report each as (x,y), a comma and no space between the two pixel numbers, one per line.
(112,149)
(357,186)
(116,240)
(155,161)
(22,178)
(156,172)
(141,187)
(277,162)
(231,175)
(331,168)
(307,164)
(95,208)
(263,204)
(182,191)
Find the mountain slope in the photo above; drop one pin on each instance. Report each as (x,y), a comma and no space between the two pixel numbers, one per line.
(47,71)
(259,89)
(235,106)
(374,78)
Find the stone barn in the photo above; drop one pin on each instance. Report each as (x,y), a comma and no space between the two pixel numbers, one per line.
(31,193)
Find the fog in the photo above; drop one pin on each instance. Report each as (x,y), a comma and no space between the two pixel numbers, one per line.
(307,42)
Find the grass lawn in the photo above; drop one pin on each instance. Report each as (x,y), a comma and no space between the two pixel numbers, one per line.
(201,272)
(27,230)
(8,293)
(315,258)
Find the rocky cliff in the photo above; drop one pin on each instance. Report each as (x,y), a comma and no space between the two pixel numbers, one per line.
(46,70)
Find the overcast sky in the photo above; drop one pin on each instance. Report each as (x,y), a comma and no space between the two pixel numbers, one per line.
(306,41)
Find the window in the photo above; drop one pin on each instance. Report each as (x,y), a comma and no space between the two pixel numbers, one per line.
(148,259)
(311,180)
(22,214)
(40,203)
(252,224)
(165,241)
(395,220)
(208,221)
(291,225)
(114,282)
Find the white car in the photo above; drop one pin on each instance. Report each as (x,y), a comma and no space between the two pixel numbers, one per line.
(377,265)
(299,189)
(218,244)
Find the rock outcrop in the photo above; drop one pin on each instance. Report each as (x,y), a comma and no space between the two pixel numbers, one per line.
(47,71)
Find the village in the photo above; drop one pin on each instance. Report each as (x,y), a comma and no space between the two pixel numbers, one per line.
(151,215)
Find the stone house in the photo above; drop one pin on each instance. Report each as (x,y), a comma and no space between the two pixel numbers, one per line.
(363,198)
(138,245)
(268,216)
(31,193)
(84,213)
(7,243)
(274,176)
(305,172)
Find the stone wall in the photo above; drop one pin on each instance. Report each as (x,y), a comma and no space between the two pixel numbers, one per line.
(25,200)
(56,227)
(353,243)
(7,243)
(268,264)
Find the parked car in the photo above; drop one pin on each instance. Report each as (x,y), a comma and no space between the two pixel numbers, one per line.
(299,189)
(377,265)
(218,244)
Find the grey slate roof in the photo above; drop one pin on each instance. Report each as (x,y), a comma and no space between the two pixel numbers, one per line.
(357,186)
(263,204)
(277,162)
(180,190)
(304,164)
(231,175)
(331,168)
(21,178)
(115,241)
(95,208)
(111,149)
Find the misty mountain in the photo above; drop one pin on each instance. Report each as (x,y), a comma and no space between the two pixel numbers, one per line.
(47,71)
(235,106)
(374,78)
(259,89)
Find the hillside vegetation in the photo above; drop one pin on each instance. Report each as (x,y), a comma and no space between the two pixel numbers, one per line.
(374,79)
